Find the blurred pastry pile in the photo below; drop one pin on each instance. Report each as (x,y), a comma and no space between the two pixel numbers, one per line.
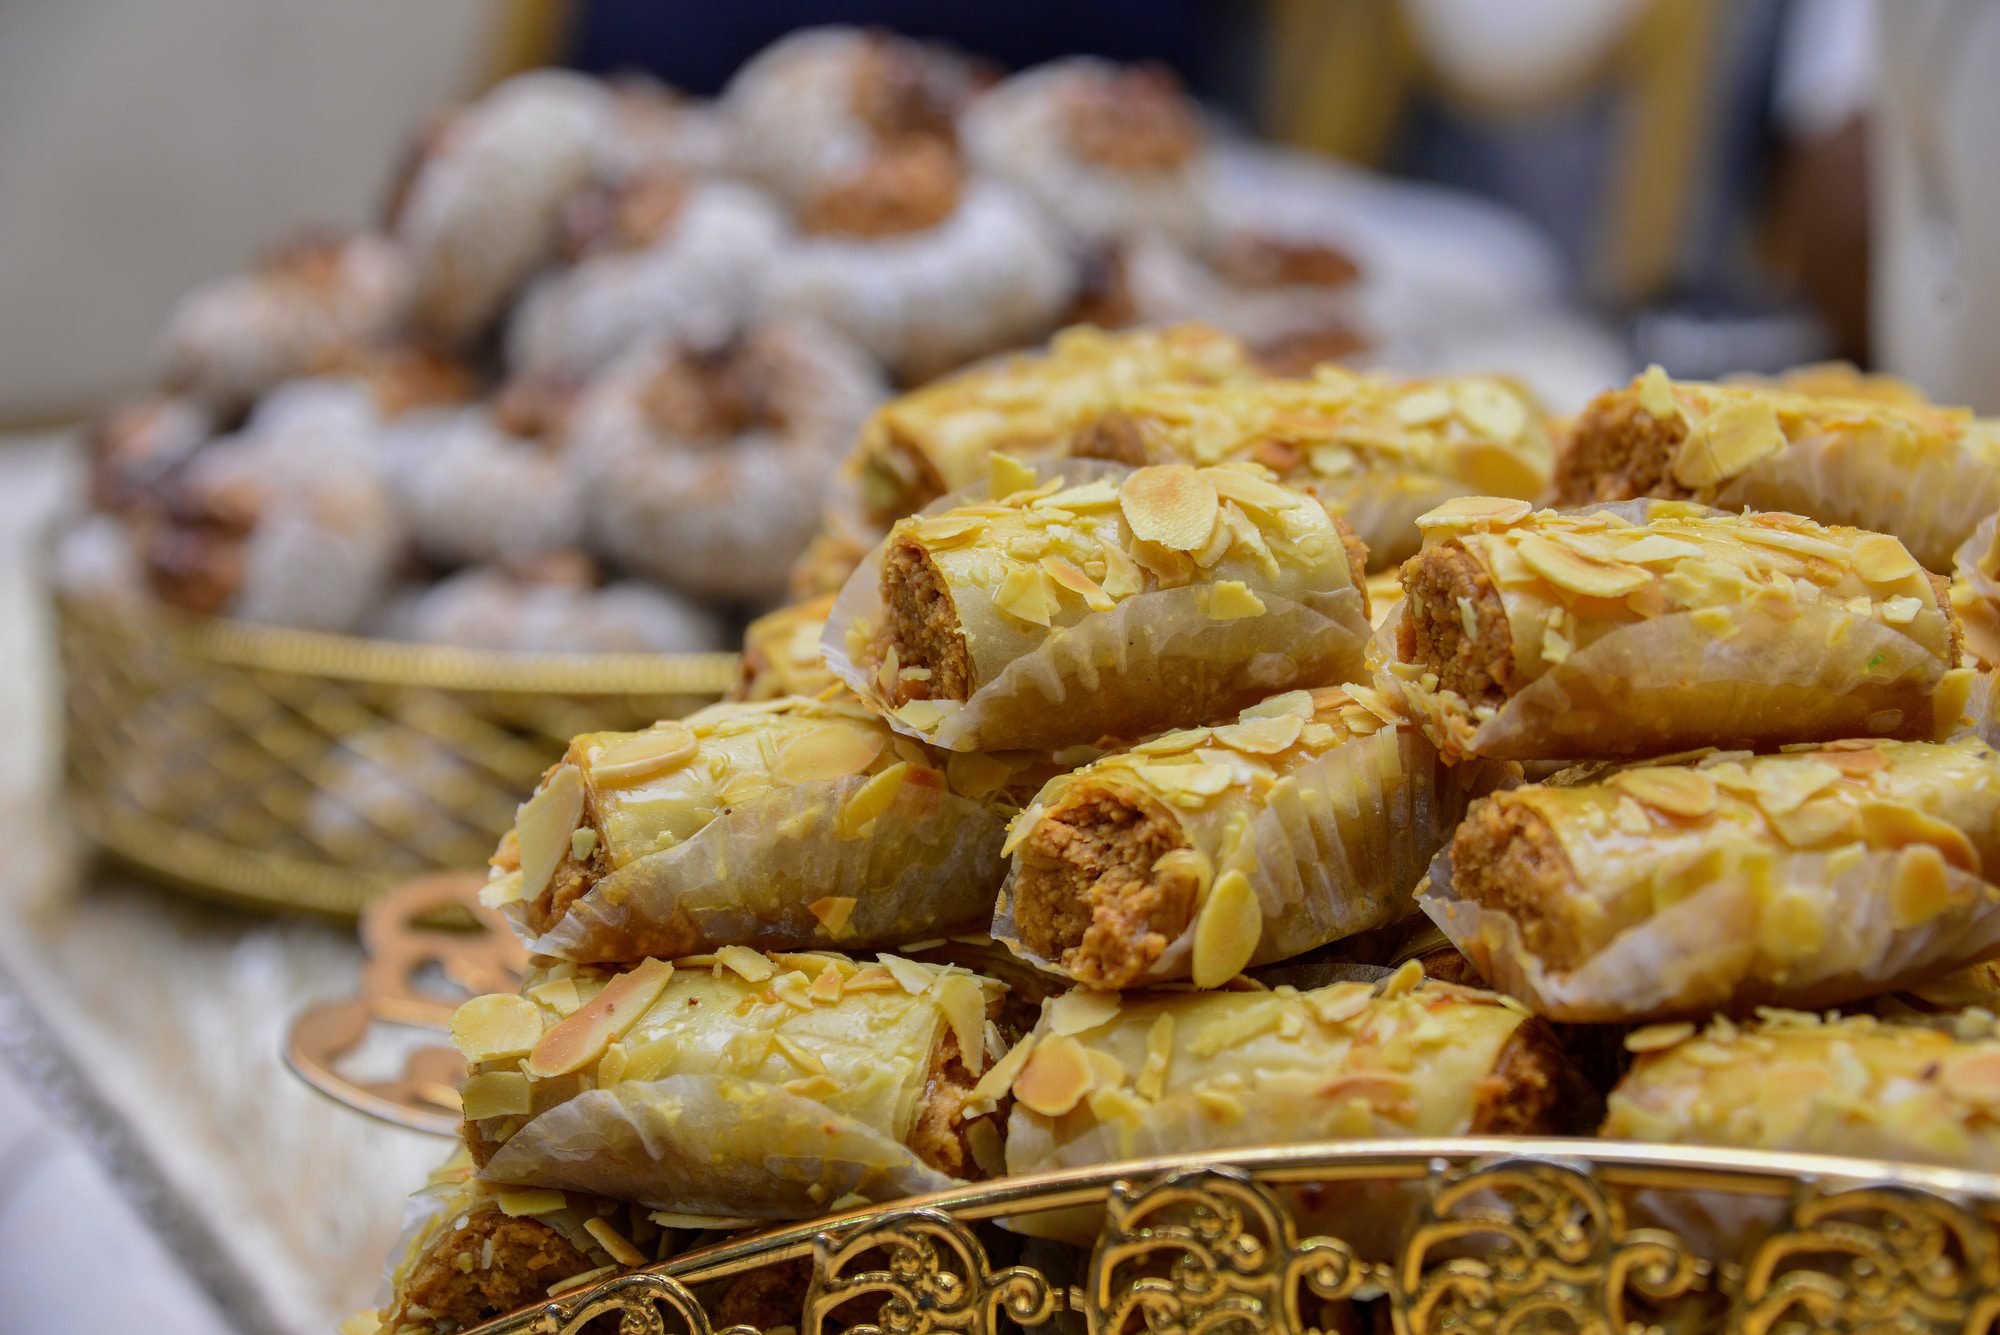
(584,387)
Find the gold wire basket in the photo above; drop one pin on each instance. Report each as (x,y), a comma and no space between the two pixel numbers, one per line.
(288,769)
(1414,1237)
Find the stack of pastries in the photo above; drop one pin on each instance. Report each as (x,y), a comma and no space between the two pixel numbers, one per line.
(1102,820)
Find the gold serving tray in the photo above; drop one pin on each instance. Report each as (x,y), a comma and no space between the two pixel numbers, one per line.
(221,757)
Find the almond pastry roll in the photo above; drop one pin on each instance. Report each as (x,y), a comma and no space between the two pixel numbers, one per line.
(781,653)
(1100,602)
(1640,630)
(1811,877)
(1925,473)
(1206,851)
(1793,1081)
(792,822)
(739,1085)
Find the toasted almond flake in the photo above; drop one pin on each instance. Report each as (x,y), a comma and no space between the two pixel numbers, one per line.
(1894,825)
(1654,547)
(999,1077)
(530,1201)
(1463,512)
(1066,575)
(1170,504)
(912,977)
(868,802)
(941,531)
(1221,1104)
(1080,1009)
(558,994)
(1973,1077)
(1055,1078)
(826,752)
(615,1244)
(1299,704)
(542,827)
(1407,978)
(976,774)
(833,911)
(1007,476)
(798,1054)
(1226,930)
(1192,781)
(1152,1081)
(1028,595)
(659,750)
(818,1088)
(1422,406)
(1790,539)
(1568,570)
(1727,441)
(494,1094)
(752,966)
(1122,577)
(1263,736)
(611,1066)
(963,1001)
(583,1280)
(1339,1002)
(599,1022)
(1173,743)
(1375,702)
(1854,761)
(1251,491)
(1098,494)
(1232,600)
(1490,408)
(1687,793)
(1654,1037)
(1880,559)
(496,1026)
(828,985)
(1656,394)
(501,891)
(1921,889)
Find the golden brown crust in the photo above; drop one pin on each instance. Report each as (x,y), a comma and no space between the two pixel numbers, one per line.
(1534,1089)
(909,187)
(1618,451)
(1440,584)
(922,625)
(1136,120)
(456,1281)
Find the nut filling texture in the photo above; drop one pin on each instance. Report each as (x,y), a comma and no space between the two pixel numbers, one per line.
(1089,892)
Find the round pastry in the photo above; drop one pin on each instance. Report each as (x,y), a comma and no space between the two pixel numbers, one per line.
(922,266)
(551,606)
(297,312)
(654,128)
(482,206)
(351,409)
(813,109)
(1112,152)
(133,450)
(704,468)
(262,528)
(664,257)
(489,482)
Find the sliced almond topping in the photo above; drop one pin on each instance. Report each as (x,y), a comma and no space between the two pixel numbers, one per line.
(752,966)
(1055,1078)
(1375,702)
(543,826)
(659,750)
(860,812)
(1152,1081)
(1297,703)
(1232,600)
(1172,743)
(912,977)
(1880,559)
(941,531)
(1423,405)
(1252,492)
(615,1244)
(963,1002)
(833,911)
(1973,1077)
(1087,496)
(599,1022)
(494,1094)
(1568,570)
(828,986)
(1476,512)
(501,891)
(1262,736)
(1082,1008)
(1185,865)
(1921,889)
(558,994)
(1687,793)
(1656,394)
(1227,930)
(1490,408)
(1170,504)
(1193,781)
(800,1056)
(497,1026)
(1027,594)
(1854,761)
(1726,442)
(925,715)
(1122,577)
(1339,1002)
(1893,825)
(1653,1037)
(1067,576)
(999,1077)
(530,1201)
(1007,476)
(826,752)
(1654,547)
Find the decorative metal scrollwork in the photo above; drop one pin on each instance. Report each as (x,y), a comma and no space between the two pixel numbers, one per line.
(1532,1245)
(1209,1250)
(931,1274)
(1873,1258)
(648,1303)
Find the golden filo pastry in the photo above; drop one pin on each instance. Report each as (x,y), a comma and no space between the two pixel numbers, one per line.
(1927,474)
(1811,877)
(1377,451)
(1204,851)
(1654,627)
(1100,601)
(781,652)
(791,822)
(739,1085)
(1797,1081)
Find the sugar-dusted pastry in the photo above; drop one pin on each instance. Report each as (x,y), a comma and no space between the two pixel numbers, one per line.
(1377,451)
(781,653)
(922,264)
(1112,152)
(704,467)
(1108,1076)
(671,258)
(301,310)
(490,482)
(1926,474)
(1809,877)
(1205,851)
(1649,628)
(1100,601)
(552,605)
(739,1084)
(653,128)
(135,449)
(787,823)
(1793,1081)
(938,439)
(472,1250)
(814,108)
(482,207)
